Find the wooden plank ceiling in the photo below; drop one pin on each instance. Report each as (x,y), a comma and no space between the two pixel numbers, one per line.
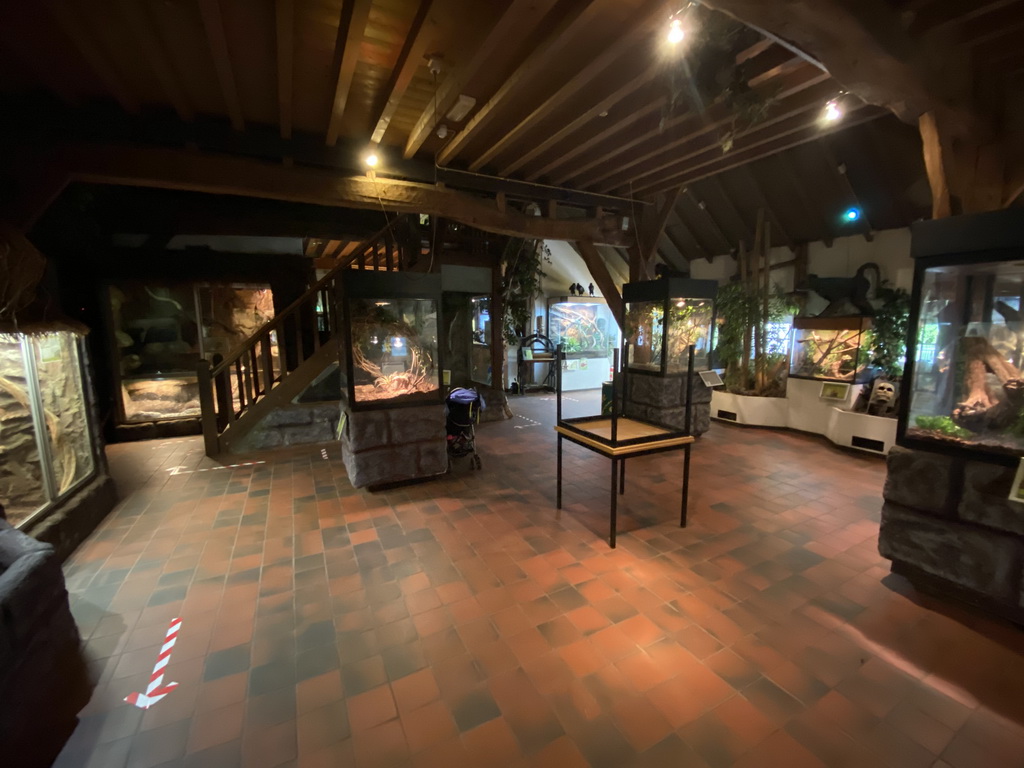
(576,93)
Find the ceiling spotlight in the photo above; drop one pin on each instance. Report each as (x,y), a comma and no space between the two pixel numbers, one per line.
(852,214)
(833,112)
(371,160)
(675,31)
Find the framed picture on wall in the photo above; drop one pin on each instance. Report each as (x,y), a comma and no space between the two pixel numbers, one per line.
(711,378)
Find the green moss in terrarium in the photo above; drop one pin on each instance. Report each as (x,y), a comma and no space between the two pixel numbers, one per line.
(944,425)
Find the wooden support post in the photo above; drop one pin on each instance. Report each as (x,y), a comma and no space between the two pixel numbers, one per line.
(599,271)
(498,326)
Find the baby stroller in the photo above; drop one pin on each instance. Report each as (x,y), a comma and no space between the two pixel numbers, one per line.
(464,406)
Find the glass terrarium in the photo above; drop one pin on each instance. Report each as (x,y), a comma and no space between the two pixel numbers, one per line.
(391,348)
(966,388)
(663,319)
(46,445)
(584,326)
(831,348)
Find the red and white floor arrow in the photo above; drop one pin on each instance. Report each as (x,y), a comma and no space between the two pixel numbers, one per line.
(155,690)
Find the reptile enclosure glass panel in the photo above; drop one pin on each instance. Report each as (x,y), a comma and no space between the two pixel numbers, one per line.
(963,389)
(663,319)
(391,339)
(831,348)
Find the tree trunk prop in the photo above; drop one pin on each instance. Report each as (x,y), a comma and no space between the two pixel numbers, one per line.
(982,410)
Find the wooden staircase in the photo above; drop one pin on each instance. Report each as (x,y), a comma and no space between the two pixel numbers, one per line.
(280,360)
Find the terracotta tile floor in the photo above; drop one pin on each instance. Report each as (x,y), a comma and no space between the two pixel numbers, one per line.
(464,622)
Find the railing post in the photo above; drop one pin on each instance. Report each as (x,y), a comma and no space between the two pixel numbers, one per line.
(207,406)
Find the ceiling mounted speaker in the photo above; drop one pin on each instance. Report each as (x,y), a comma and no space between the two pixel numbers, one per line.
(461,107)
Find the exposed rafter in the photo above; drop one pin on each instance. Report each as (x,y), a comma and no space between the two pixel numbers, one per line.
(285,25)
(809,208)
(743,153)
(677,225)
(213,25)
(68,21)
(409,60)
(180,169)
(153,50)
(702,206)
(841,172)
(552,45)
(707,248)
(599,271)
(766,205)
(806,89)
(351,28)
(454,83)
(623,43)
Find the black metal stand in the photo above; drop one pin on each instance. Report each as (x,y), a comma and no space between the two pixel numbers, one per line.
(602,435)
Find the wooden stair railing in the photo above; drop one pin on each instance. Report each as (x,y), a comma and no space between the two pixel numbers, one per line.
(229,387)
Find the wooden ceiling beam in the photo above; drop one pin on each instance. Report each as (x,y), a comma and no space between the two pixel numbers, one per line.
(213,24)
(156,57)
(537,61)
(285,26)
(677,224)
(750,147)
(625,42)
(707,247)
(811,209)
(331,249)
(351,29)
(691,123)
(409,60)
(631,110)
(599,271)
(763,149)
(217,174)
(676,244)
(702,206)
(943,13)
(763,202)
(747,234)
(456,82)
(75,30)
(585,118)
(672,255)
(704,144)
(842,176)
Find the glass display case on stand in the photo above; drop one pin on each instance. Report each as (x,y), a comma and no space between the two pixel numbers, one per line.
(663,319)
(588,333)
(965,389)
(831,349)
(46,441)
(391,349)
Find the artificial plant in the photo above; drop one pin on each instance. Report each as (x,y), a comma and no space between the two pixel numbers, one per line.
(889,328)
(744,311)
(522,272)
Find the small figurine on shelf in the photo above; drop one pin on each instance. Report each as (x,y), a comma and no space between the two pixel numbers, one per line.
(579,289)
(572,289)
(591,289)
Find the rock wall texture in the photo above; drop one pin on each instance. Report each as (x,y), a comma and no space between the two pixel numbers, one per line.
(950,518)
(661,400)
(299,424)
(395,445)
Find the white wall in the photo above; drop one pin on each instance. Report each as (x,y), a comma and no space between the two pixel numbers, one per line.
(889,249)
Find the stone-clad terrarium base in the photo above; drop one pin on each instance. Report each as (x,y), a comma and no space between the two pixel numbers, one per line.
(394,445)
(660,400)
(949,518)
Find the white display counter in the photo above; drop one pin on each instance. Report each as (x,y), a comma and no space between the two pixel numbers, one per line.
(805,410)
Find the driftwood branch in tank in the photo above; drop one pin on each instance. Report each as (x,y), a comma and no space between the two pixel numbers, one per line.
(981,409)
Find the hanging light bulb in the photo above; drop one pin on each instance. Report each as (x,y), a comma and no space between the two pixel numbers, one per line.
(675,32)
(371,160)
